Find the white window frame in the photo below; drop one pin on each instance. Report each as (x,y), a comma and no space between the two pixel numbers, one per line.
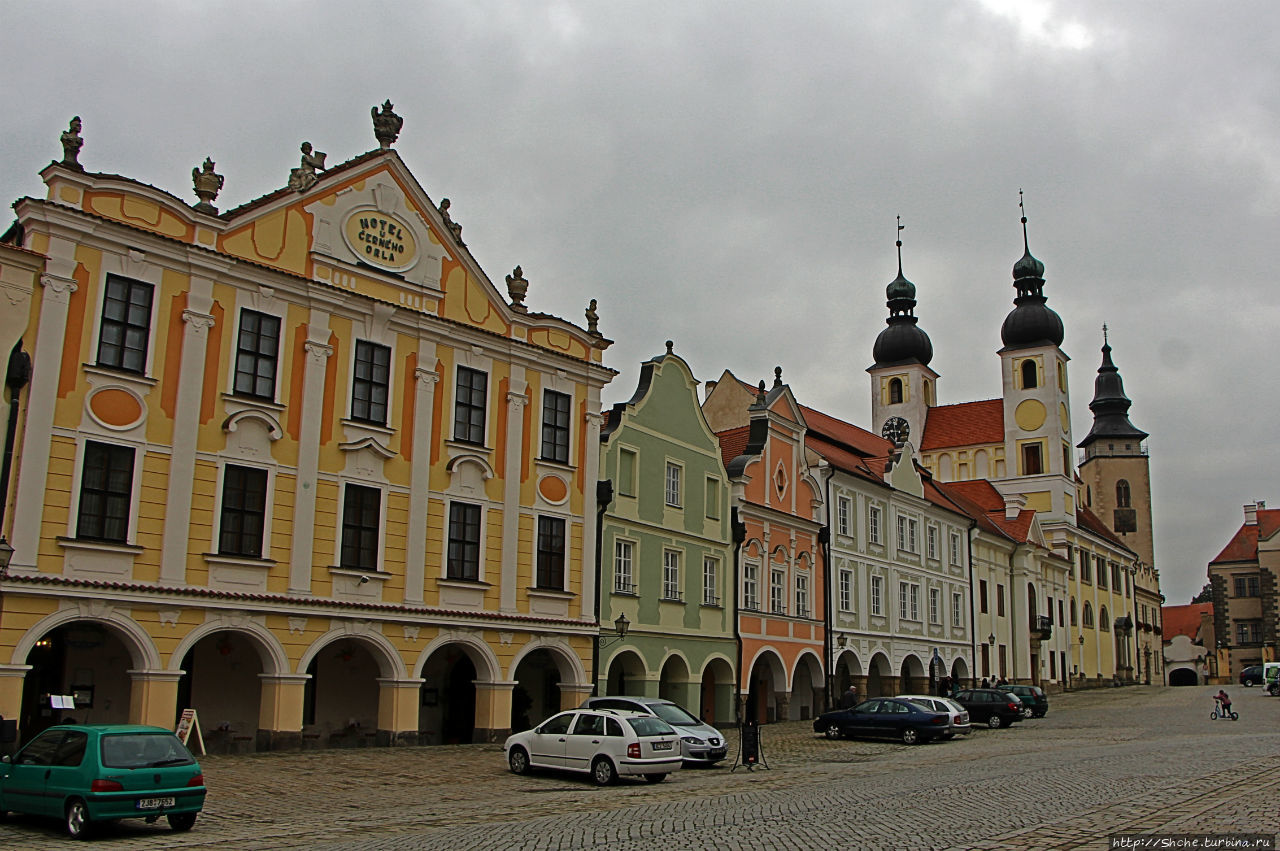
(935,605)
(673,482)
(710,581)
(902,601)
(874,517)
(624,569)
(846,589)
(802,596)
(957,609)
(777,591)
(931,541)
(671,575)
(877,595)
(844,510)
(957,557)
(913,595)
(751,586)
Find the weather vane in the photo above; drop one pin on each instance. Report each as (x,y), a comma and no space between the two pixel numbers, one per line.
(1104,334)
(901,228)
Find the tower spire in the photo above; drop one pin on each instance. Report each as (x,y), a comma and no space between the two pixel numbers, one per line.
(901,228)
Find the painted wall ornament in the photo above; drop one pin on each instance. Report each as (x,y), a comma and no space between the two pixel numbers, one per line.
(449,222)
(208,184)
(517,287)
(386,125)
(303,177)
(71,145)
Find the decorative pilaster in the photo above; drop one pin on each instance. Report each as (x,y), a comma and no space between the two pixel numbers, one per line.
(29,495)
(424,401)
(304,512)
(515,437)
(186,422)
(590,474)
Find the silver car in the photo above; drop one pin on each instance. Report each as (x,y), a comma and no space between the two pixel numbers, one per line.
(959,715)
(700,743)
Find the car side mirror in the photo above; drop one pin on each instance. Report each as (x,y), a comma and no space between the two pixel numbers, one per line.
(5,758)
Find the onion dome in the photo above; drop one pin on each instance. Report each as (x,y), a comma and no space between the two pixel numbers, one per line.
(1110,406)
(903,341)
(1031,322)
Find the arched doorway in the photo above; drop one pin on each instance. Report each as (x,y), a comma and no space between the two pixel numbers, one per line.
(807,694)
(960,673)
(767,681)
(223,684)
(447,704)
(716,703)
(879,677)
(626,674)
(1183,677)
(673,682)
(86,659)
(912,678)
(340,700)
(537,689)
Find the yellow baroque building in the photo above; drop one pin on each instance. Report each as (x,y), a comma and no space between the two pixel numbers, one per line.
(298,465)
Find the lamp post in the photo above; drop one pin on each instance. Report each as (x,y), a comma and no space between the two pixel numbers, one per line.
(620,626)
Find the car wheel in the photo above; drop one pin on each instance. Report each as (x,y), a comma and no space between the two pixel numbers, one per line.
(655,778)
(1274,690)
(995,722)
(1027,712)
(518,760)
(602,771)
(832,731)
(78,826)
(910,736)
(1247,682)
(181,822)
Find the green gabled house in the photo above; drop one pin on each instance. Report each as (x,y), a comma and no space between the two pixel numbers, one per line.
(666,558)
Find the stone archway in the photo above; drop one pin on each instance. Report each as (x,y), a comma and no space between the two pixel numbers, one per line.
(92,661)
(912,678)
(808,693)
(1183,677)
(715,705)
(880,679)
(673,681)
(625,674)
(222,682)
(766,688)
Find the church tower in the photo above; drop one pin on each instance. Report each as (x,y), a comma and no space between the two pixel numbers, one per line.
(1037,408)
(1116,471)
(902,384)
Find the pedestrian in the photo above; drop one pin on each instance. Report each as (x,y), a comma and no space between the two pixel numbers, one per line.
(1224,703)
(944,687)
(986,683)
(849,699)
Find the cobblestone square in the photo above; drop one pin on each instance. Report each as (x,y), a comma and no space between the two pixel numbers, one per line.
(1131,760)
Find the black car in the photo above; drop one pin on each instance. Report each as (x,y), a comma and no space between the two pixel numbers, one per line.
(1035,703)
(1251,675)
(884,716)
(990,706)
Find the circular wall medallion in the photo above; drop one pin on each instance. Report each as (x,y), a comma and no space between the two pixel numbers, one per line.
(381,240)
(1064,418)
(1030,414)
(553,489)
(115,408)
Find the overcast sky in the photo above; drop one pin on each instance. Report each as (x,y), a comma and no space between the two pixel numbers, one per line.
(726,175)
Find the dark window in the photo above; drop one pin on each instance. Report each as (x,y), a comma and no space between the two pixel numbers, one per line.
(982,596)
(370,382)
(1122,494)
(41,751)
(126,324)
(361,509)
(999,601)
(551,553)
(1247,586)
(469,405)
(106,486)
(464,541)
(555,426)
(71,751)
(1030,375)
(1031,464)
(1073,612)
(244,512)
(895,391)
(557,725)
(257,350)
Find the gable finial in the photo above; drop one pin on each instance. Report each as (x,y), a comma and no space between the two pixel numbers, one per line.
(1025,244)
(1105,342)
(777,376)
(670,346)
(386,125)
(760,394)
(901,228)
(208,184)
(517,288)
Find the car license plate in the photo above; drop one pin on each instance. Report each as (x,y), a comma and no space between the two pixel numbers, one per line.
(155,803)
(662,746)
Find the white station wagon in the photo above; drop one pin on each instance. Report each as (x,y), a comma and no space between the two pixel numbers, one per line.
(604,743)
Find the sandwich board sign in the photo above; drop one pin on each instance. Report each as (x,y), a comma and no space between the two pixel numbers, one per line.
(188,723)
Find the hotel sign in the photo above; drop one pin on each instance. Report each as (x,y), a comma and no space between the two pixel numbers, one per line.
(381,240)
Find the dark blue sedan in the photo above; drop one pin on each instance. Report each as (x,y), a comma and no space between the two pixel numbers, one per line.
(883,717)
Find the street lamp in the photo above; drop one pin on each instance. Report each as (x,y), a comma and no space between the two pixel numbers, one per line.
(620,626)
(6,555)
(991,639)
(842,640)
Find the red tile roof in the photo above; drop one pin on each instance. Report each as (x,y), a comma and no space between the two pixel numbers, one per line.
(1183,620)
(1243,546)
(987,504)
(733,442)
(1090,522)
(966,424)
(1268,522)
(839,431)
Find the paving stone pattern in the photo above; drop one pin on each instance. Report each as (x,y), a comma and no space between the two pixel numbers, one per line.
(1132,760)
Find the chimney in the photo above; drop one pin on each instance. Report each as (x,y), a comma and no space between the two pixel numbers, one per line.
(1013,504)
(1251,513)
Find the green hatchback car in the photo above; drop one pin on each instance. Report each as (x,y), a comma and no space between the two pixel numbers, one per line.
(87,773)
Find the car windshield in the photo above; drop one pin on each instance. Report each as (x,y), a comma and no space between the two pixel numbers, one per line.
(674,715)
(647,725)
(144,750)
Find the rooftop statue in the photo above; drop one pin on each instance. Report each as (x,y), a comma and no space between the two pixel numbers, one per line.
(71,145)
(593,321)
(386,125)
(517,287)
(303,177)
(449,222)
(207,185)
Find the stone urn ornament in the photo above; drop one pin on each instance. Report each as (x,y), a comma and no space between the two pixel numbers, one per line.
(208,184)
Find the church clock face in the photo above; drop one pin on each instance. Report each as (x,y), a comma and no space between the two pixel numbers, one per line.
(896,430)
